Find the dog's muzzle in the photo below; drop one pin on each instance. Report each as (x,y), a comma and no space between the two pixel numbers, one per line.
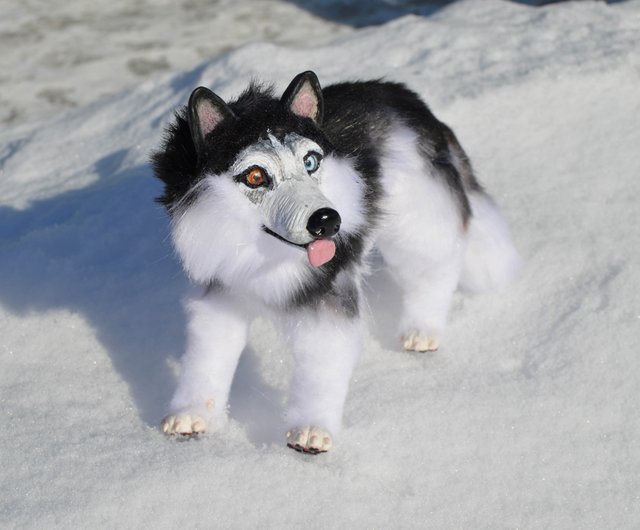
(323,224)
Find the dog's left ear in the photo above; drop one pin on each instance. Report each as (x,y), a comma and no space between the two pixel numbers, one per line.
(303,97)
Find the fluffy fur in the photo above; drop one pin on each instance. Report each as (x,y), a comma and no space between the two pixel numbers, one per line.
(261,188)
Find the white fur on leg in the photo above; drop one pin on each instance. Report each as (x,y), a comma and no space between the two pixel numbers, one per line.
(326,345)
(421,239)
(428,290)
(490,261)
(216,336)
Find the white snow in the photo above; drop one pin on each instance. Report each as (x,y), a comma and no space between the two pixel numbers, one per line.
(527,417)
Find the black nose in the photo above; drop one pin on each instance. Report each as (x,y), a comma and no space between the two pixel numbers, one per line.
(324,222)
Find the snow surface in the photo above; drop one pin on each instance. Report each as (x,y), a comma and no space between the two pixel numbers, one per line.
(526,418)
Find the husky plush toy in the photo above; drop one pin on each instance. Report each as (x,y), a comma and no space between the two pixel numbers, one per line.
(275,205)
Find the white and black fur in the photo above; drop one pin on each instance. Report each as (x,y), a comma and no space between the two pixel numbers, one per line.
(390,176)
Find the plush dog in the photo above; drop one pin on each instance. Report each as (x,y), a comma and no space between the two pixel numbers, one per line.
(275,204)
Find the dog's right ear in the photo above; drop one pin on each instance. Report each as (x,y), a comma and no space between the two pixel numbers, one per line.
(206,112)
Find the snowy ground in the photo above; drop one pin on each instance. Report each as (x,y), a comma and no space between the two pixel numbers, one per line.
(526,418)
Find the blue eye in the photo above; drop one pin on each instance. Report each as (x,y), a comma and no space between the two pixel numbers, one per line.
(312,162)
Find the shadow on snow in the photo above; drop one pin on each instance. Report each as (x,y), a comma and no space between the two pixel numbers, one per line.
(103,251)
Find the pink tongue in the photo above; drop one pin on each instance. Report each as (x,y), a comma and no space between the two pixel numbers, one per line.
(321,251)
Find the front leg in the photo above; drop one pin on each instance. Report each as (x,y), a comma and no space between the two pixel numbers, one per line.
(216,335)
(326,343)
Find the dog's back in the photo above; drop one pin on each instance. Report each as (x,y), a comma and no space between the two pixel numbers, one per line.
(414,165)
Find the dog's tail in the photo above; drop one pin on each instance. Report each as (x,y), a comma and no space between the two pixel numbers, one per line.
(491,260)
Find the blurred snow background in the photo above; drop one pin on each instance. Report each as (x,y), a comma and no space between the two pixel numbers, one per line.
(528,415)
(59,54)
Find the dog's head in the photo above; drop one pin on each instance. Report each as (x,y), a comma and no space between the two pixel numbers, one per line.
(263,189)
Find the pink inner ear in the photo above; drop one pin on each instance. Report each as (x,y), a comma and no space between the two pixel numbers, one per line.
(305,103)
(209,117)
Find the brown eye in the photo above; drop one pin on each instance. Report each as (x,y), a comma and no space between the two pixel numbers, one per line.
(256,177)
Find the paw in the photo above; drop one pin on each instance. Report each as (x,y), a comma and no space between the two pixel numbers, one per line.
(416,341)
(311,440)
(184,424)
(189,420)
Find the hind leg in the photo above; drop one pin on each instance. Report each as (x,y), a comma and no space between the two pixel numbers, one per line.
(422,239)
(428,280)
(426,307)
